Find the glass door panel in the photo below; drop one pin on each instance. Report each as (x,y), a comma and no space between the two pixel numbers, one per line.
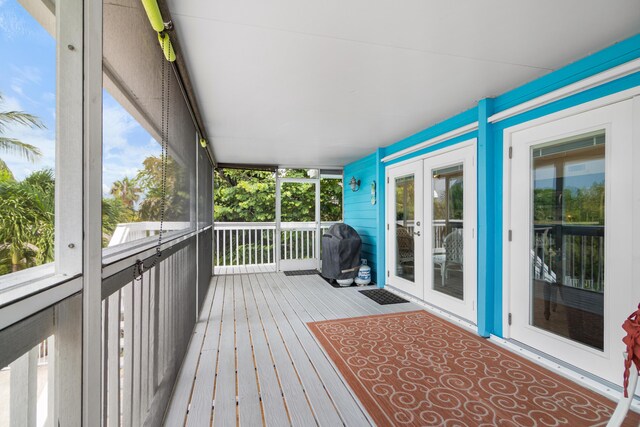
(405,245)
(567,238)
(448,230)
(450,211)
(404,188)
(571,216)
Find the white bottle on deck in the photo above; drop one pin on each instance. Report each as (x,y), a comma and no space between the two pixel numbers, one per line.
(364,274)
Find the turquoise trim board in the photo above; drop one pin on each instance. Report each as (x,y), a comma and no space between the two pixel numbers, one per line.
(370,220)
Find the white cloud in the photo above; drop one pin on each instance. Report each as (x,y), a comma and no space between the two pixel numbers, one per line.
(11,25)
(41,138)
(121,157)
(17,89)
(9,103)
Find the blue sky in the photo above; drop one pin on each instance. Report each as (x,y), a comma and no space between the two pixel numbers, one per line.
(27,83)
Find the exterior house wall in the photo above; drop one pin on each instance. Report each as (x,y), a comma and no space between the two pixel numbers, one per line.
(358,210)
(490,165)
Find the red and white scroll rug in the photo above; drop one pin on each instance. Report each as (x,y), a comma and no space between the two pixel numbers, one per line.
(414,369)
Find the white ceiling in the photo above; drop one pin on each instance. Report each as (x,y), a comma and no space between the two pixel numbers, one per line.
(322,83)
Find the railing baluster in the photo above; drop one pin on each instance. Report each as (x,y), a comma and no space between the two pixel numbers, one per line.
(297,252)
(272,252)
(105,362)
(261,246)
(23,383)
(255,246)
(127,404)
(224,247)
(217,234)
(51,380)
(144,387)
(237,249)
(113,360)
(244,247)
(137,351)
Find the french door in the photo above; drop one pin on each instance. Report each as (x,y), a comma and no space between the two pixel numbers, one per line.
(405,229)
(431,220)
(570,258)
(450,237)
(298,224)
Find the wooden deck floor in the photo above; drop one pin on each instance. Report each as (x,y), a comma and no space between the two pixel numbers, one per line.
(252,360)
(243,269)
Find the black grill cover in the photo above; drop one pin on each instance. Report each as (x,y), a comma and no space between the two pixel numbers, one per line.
(340,252)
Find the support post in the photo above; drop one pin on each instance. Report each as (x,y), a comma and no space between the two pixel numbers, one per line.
(380,264)
(92,214)
(486,250)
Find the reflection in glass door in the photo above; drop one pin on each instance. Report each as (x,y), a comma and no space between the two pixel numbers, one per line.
(405,227)
(570,258)
(567,238)
(450,210)
(405,240)
(447,230)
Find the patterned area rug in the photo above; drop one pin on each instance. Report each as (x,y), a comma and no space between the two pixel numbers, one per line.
(414,369)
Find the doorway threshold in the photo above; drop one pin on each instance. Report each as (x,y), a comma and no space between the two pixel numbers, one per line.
(456,320)
(577,375)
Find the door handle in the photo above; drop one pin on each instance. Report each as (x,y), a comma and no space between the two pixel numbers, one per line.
(417,233)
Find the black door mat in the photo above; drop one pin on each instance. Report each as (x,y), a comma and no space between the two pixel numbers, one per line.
(301,273)
(335,283)
(383,297)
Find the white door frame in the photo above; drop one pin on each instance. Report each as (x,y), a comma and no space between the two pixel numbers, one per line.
(466,308)
(416,287)
(313,263)
(617,121)
(418,164)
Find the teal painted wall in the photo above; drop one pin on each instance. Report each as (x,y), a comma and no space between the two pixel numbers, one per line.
(490,166)
(358,210)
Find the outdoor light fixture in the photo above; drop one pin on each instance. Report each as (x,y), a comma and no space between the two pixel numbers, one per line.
(354,184)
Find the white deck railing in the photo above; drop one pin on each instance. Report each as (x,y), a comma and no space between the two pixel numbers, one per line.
(130,231)
(254,243)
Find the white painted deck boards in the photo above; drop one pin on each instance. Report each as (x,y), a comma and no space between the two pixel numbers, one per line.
(252,360)
(243,269)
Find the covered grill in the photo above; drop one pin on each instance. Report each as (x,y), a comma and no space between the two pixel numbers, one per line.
(340,252)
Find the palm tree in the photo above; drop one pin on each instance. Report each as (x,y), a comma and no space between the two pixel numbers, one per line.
(13,145)
(126,190)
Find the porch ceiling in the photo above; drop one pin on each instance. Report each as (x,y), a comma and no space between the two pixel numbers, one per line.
(324,83)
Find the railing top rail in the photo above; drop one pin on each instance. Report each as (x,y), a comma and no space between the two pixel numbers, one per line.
(269,225)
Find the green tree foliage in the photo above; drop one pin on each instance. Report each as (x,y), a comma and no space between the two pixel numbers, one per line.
(5,172)
(26,221)
(244,196)
(127,191)
(114,212)
(177,191)
(13,145)
(250,196)
(331,199)
(578,205)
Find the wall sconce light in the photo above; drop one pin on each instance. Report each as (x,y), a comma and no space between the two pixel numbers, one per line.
(354,184)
